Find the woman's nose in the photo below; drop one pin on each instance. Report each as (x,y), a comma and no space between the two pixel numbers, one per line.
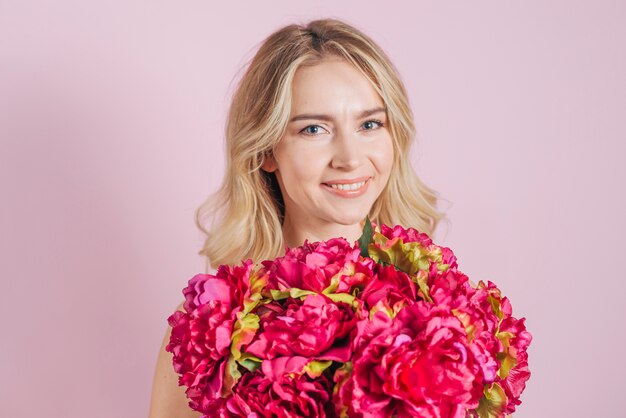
(347,154)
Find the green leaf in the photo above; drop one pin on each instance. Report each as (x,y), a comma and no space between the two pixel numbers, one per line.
(231,376)
(507,362)
(341,297)
(495,307)
(421,278)
(493,402)
(251,363)
(296,293)
(278,294)
(257,285)
(342,374)
(366,237)
(243,332)
(315,368)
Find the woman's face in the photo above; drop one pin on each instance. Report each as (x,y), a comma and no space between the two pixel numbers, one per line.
(336,155)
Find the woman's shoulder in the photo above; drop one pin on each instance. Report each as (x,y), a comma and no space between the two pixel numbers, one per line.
(168,398)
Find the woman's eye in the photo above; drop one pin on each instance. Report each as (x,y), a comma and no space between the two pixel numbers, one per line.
(369,125)
(312,130)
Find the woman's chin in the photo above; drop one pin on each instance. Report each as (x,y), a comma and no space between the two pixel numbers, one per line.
(348,220)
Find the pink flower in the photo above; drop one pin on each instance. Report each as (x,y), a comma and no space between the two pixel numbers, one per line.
(201,337)
(280,389)
(228,285)
(315,327)
(410,251)
(474,309)
(405,234)
(392,288)
(472,306)
(511,342)
(515,381)
(446,287)
(418,364)
(324,331)
(413,235)
(311,266)
(200,345)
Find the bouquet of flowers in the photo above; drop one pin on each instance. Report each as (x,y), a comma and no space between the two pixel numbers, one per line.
(386,327)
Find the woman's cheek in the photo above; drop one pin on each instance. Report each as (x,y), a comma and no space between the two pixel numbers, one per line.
(382,156)
(311,161)
(299,167)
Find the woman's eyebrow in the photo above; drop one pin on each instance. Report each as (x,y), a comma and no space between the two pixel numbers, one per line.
(363,114)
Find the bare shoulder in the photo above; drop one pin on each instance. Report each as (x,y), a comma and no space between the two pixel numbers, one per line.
(168,399)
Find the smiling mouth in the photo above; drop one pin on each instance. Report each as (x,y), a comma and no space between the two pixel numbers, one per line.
(347,186)
(347,189)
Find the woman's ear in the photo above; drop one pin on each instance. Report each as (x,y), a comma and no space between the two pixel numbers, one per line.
(269,164)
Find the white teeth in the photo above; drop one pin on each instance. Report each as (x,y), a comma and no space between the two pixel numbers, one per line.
(353,186)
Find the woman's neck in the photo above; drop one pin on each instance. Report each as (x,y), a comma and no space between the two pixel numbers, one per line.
(294,235)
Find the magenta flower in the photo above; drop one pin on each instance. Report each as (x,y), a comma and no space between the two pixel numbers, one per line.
(311,266)
(418,364)
(389,289)
(280,389)
(229,286)
(315,327)
(386,328)
(201,337)
(515,381)
(200,346)
(405,234)
(515,340)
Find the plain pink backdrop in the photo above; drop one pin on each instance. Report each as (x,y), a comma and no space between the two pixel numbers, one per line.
(111,128)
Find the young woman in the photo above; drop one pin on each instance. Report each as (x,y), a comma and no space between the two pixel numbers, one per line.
(318,137)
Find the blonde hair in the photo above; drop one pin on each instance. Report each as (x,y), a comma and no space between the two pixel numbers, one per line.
(249,207)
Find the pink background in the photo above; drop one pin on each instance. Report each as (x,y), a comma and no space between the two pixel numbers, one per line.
(111,121)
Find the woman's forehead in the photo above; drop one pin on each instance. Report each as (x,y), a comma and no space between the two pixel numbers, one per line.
(333,86)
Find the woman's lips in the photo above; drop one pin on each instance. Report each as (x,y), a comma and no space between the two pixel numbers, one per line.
(348,193)
(351,181)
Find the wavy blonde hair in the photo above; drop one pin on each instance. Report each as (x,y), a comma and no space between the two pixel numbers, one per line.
(249,207)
